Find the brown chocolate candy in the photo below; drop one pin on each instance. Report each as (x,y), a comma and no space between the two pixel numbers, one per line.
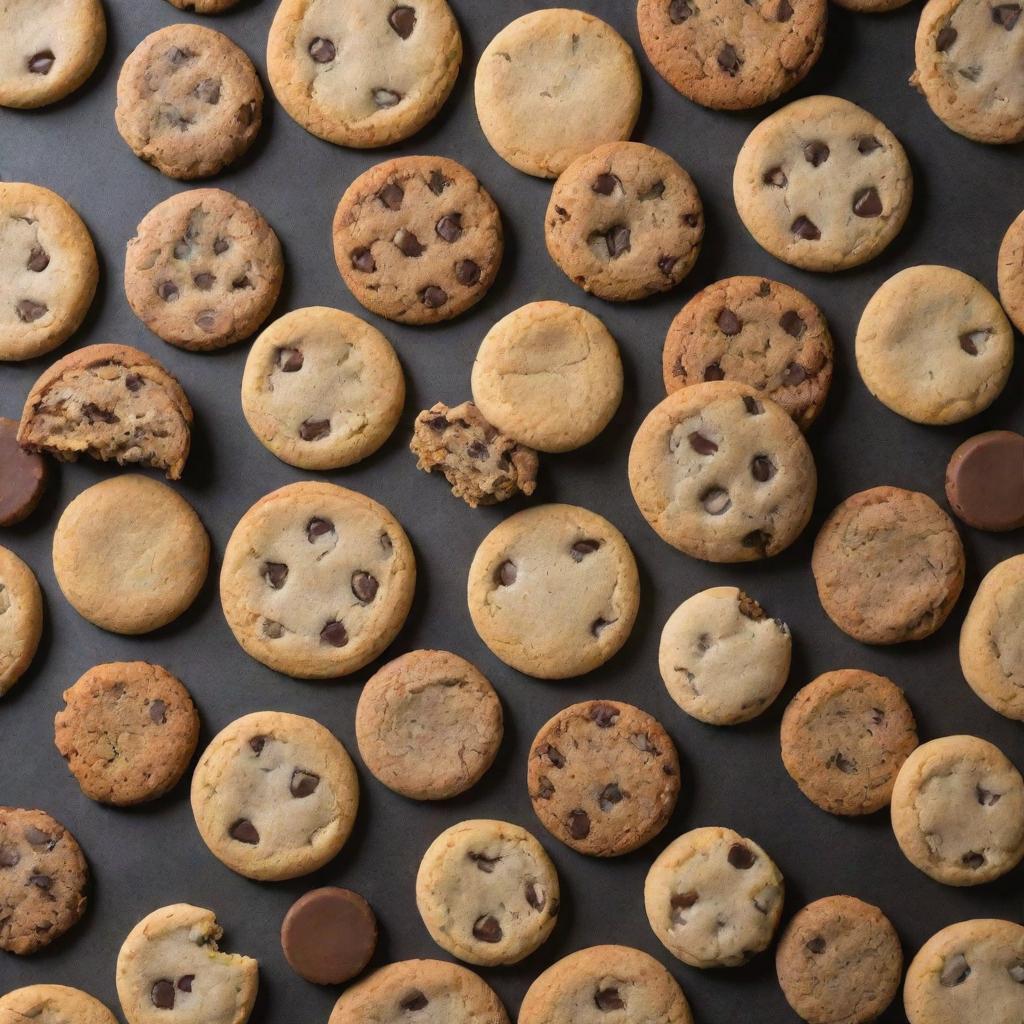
(985,481)
(329,935)
(22,476)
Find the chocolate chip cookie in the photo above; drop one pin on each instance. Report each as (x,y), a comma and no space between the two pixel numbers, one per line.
(985,481)
(23,474)
(1010,271)
(328,935)
(53,1004)
(21,618)
(417,239)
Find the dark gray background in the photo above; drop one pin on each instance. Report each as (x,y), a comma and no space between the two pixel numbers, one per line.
(966,196)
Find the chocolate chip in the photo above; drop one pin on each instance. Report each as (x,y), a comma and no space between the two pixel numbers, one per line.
(816,153)
(385,98)
(666,264)
(775,176)
(792,323)
(758,539)
(94,414)
(608,999)
(868,144)
(208,90)
(415,1000)
(764,289)
(535,895)
(322,50)
(955,971)
(986,797)
(41,62)
(945,39)
(437,183)
(729,60)
(38,260)
(505,575)
(303,783)
(318,527)
(553,754)
(391,195)
(680,902)
(334,633)
(806,229)
(221,246)
(241,282)
(257,743)
(204,281)
(729,323)
(605,184)
(178,56)
(784,11)
(971,72)
(272,630)
(364,586)
(617,240)
(449,227)
(133,382)
(604,716)
(161,995)
(579,824)
(477,450)
(971,341)
(9,857)
(714,372)
(816,945)
(433,297)
(762,469)
(741,856)
(545,788)
(1006,15)
(598,626)
(244,831)
(207,320)
(1016,971)
(483,862)
(716,500)
(794,374)
(158,712)
(43,882)
(37,837)
(843,763)
(487,929)
(185,982)
(403,21)
(973,860)
(702,445)
(275,573)
(610,796)
(467,272)
(314,430)
(691,220)
(866,203)
(679,11)
(29,311)
(408,243)
(362,259)
(582,548)
(289,360)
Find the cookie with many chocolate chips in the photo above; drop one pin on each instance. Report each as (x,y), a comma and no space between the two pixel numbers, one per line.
(417,239)
(328,935)
(985,481)
(603,777)
(1010,271)
(23,475)
(21,618)
(52,1004)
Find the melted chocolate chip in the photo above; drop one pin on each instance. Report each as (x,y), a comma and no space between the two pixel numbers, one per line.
(487,929)
(364,586)
(161,995)
(666,264)
(617,240)
(610,796)
(318,527)
(29,311)
(38,260)
(483,862)
(244,831)
(403,21)
(257,743)
(868,144)
(553,754)
(758,539)
(973,860)
(816,153)
(608,999)
(362,259)
(579,824)
(762,468)
(273,630)
(803,227)
(433,297)
(776,177)
(702,445)
(971,341)
(438,182)
(605,184)
(467,272)
(729,323)
(945,39)
(784,11)
(449,227)
(867,203)
(158,712)
(599,624)
(535,895)
(582,548)
(206,320)
(221,246)
(505,575)
(414,1001)
(408,243)
(322,50)
(37,837)
(986,797)
(303,783)
(794,374)
(741,856)
(43,882)
(9,857)
(94,414)
(334,633)
(843,763)
(729,60)
(714,372)
(716,501)
(391,195)
(1006,15)
(815,945)
(179,56)
(604,716)
(41,62)
(204,281)
(679,11)
(955,971)
(289,360)
(275,573)
(314,430)
(185,982)
(792,323)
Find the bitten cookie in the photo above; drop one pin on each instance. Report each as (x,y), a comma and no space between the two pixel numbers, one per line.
(1010,271)
(487,892)
(603,777)
(52,1004)
(985,481)
(23,474)
(274,796)
(21,618)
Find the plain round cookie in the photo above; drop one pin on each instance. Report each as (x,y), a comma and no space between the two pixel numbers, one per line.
(970,971)
(428,725)
(317,580)
(585,986)
(203,270)
(274,796)
(361,73)
(844,738)
(753,331)
(189,101)
(985,481)
(487,892)
(722,659)
(170,971)
(130,554)
(713,898)
(439,992)
(1010,271)
(822,184)
(24,475)
(624,221)
(417,239)
(128,731)
(50,49)
(554,84)
(731,55)
(934,345)
(52,1004)
(721,474)
(549,375)
(553,591)
(958,811)
(48,270)
(21,618)
(889,566)
(322,389)
(839,961)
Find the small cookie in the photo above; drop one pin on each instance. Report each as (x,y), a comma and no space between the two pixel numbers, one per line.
(52,1004)
(822,184)
(189,101)
(127,732)
(757,332)
(48,261)
(548,375)
(359,73)
(22,476)
(483,465)
(554,591)
(889,566)
(721,474)
(958,811)
(844,738)
(584,987)
(49,49)
(317,580)
(985,481)
(417,239)
(624,221)
(322,389)
(170,971)
(112,403)
(713,898)
(723,660)
(730,55)
(487,892)
(603,777)
(21,618)
(1010,272)
(203,270)
(43,878)
(274,796)
(839,961)
(328,936)
(992,639)
(554,84)
(428,725)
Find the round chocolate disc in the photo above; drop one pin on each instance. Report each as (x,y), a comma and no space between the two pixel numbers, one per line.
(985,481)
(22,476)
(329,935)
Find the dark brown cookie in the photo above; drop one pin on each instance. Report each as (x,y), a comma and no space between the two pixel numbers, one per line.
(985,481)
(329,935)
(22,476)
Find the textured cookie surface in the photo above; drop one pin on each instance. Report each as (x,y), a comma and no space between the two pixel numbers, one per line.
(23,473)
(21,618)
(1010,272)
(52,1004)
(985,481)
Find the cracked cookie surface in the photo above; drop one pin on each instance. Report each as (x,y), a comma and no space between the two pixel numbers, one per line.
(21,618)
(52,1004)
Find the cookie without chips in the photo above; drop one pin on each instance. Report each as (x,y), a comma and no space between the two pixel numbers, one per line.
(53,1004)
(1010,271)
(21,618)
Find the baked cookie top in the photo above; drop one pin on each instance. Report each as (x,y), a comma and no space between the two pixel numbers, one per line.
(21,618)
(53,1004)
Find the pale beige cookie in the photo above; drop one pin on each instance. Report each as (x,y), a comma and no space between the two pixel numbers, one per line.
(1010,272)
(21,618)
(554,591)
(958,811)
(554,84)
(322,389)
(487,892)
(52,1004)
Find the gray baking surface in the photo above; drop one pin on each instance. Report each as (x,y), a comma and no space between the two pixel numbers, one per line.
(966,196)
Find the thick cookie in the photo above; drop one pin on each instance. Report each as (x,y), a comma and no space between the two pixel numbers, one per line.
(128,731)
(43,878)
(888,565)
(21,618)
(23,474)
(487,892)
(52,1004)
(553,591)
(722,658)
(203,270)
(317,580)
(722,474)
(361,73)
(985,481)
(713,898)
(603,777)
(958,811)
(554,84)
(328,935)
(417,239)
(757,332)
(822,184)
(189,101)
(548,375)
(1010,272)
(322,389)
(428,725)
(274,796)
